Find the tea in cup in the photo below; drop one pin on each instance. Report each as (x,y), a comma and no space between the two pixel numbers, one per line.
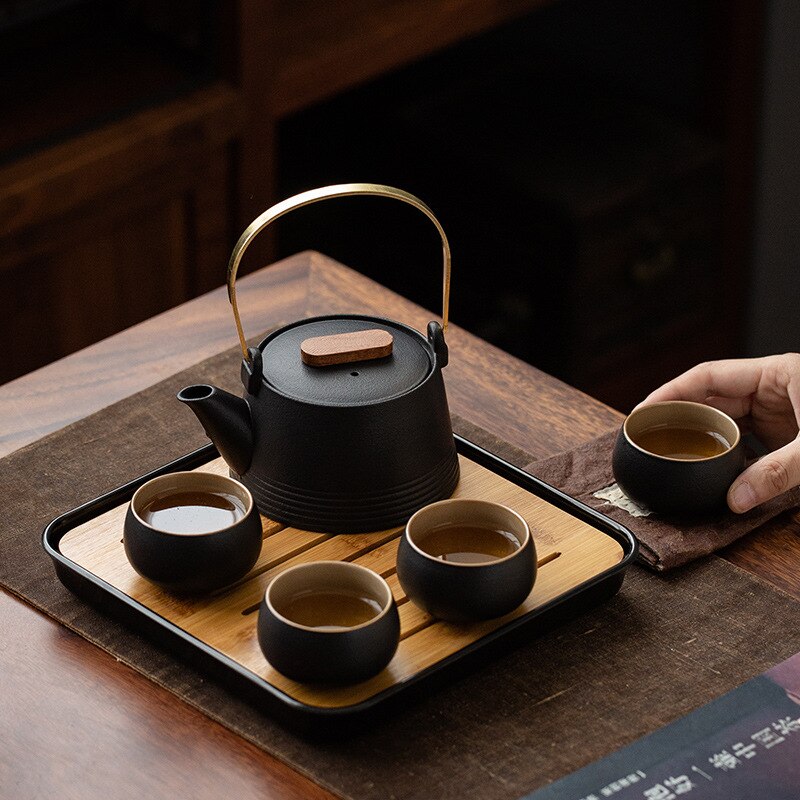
(678,457)
(328,622)
(192,532)
(464,560)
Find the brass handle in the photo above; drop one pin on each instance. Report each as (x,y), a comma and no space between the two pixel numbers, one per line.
(313,196)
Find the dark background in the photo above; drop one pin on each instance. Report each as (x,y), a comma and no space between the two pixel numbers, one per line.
(618,179)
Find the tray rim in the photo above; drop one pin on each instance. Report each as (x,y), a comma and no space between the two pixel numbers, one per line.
(176,636)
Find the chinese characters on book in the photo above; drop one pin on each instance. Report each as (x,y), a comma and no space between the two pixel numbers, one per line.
(744,745)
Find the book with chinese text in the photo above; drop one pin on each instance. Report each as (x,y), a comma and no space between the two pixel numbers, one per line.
(744,745)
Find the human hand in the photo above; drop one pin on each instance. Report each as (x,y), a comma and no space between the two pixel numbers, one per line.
(763,396)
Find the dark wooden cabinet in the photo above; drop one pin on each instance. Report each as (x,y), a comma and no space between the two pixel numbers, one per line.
(116,171)
(593,166)
(138,139)
(114,226)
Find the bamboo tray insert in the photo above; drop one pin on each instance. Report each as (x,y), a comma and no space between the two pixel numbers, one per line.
(569,552)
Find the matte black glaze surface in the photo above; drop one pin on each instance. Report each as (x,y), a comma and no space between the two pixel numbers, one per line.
(226,420)
(196,563)
(675,487)
(359,383)
(310,656)
(459,593)
(367,457)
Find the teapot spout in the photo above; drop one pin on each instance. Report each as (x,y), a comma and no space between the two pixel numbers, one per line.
(226,421)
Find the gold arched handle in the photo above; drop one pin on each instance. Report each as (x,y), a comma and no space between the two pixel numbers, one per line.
(326,193)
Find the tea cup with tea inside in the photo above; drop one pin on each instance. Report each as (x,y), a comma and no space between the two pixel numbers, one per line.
(463,560)
(678,457)
(328,622)
(192,532)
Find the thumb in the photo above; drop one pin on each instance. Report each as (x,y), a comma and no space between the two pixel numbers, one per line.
(771,475)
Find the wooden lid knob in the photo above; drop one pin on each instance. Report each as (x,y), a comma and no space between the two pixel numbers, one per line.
(345,348)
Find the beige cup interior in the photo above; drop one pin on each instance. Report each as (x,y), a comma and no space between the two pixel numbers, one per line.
(685,414)
(327,576)
(480,513)
(176,482)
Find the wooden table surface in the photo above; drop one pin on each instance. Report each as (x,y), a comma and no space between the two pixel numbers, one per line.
(76,723)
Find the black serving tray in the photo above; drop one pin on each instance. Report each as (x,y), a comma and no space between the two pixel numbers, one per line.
(321,720)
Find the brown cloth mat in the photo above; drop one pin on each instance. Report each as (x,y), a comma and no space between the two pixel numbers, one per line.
(660,648)
(665,543)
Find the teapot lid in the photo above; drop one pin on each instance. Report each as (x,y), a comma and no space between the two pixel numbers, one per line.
(350,384)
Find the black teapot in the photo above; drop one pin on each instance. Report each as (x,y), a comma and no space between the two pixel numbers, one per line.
(344,425)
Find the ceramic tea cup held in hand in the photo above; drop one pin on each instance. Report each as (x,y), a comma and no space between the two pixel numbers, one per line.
(678,457)
(465,560)
(192,532)
(328,622)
